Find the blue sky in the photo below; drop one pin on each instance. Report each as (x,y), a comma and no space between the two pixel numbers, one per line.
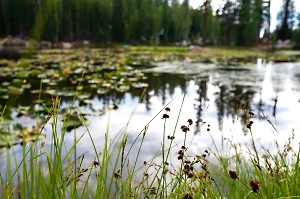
(275,7)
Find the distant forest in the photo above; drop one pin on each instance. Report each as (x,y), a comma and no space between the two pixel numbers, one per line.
(237,22)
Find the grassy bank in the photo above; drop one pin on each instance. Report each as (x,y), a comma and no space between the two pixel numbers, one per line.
(49,169)
(220,54)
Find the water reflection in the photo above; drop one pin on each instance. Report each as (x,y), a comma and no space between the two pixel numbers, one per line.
(215,95)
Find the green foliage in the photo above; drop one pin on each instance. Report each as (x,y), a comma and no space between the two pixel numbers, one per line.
(287,20)
(134,21)
(53,170)
(296,35)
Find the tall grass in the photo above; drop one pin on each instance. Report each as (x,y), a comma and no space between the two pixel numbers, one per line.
(54,170)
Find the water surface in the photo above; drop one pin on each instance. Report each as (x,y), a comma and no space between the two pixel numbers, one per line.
(217,98)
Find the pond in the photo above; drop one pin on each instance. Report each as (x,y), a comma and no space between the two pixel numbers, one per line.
(217,98)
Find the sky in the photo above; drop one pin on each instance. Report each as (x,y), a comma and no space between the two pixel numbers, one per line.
(275,7)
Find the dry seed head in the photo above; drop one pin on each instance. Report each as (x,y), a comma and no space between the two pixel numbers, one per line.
(233,175)
(190,174)
(186,196)
(186,167)
(185,128)
(190,121)
(249,125)
(95,163)
(254,185)
(85,170)
(117,175)
(251,113)
(165,116)
(187,161)
(180,152)
(153,190)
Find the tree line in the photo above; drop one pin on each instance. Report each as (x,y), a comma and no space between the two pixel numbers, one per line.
(236,22)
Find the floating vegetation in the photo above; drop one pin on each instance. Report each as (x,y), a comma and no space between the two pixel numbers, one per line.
(69,74)
(19,135)
(27,85)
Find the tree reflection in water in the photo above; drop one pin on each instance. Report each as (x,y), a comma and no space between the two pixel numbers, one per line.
(233,93)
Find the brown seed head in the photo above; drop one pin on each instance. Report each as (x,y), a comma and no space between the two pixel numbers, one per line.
(185,128)
(165,116)
(117,175)
(168,109)
(251,113)
(180,152)
(190,174)
(190,121)
(233,175)
(153,190)
(187,196)
(249,125)
(254,185)
(186,167)
(95,163)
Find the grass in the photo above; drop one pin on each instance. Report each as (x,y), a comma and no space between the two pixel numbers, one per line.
(54,170)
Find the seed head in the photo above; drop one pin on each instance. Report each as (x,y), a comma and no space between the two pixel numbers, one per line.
(190,174)
(167,109)
(186,196)
(180,152)
(249,125)
(165,116)
(254,185)
(233,175)
(95,163)
(251,113)
(153,190)
(190,121)
(117,175)
(185,128)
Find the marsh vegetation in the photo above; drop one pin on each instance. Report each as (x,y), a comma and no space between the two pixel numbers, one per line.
(149,123)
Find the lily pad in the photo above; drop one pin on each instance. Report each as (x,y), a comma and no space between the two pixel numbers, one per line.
(7,139)
(5,120)
(72,121)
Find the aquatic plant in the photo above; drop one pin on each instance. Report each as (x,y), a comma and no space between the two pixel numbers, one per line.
(50,169)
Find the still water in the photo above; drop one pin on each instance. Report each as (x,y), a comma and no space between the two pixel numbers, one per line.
(216,98)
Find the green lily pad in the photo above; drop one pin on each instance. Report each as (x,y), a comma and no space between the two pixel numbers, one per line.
(139,85)
(123,88)
(23,110)
(7,139)
(3,91)
(5,120)
(72,121)
(91,112)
